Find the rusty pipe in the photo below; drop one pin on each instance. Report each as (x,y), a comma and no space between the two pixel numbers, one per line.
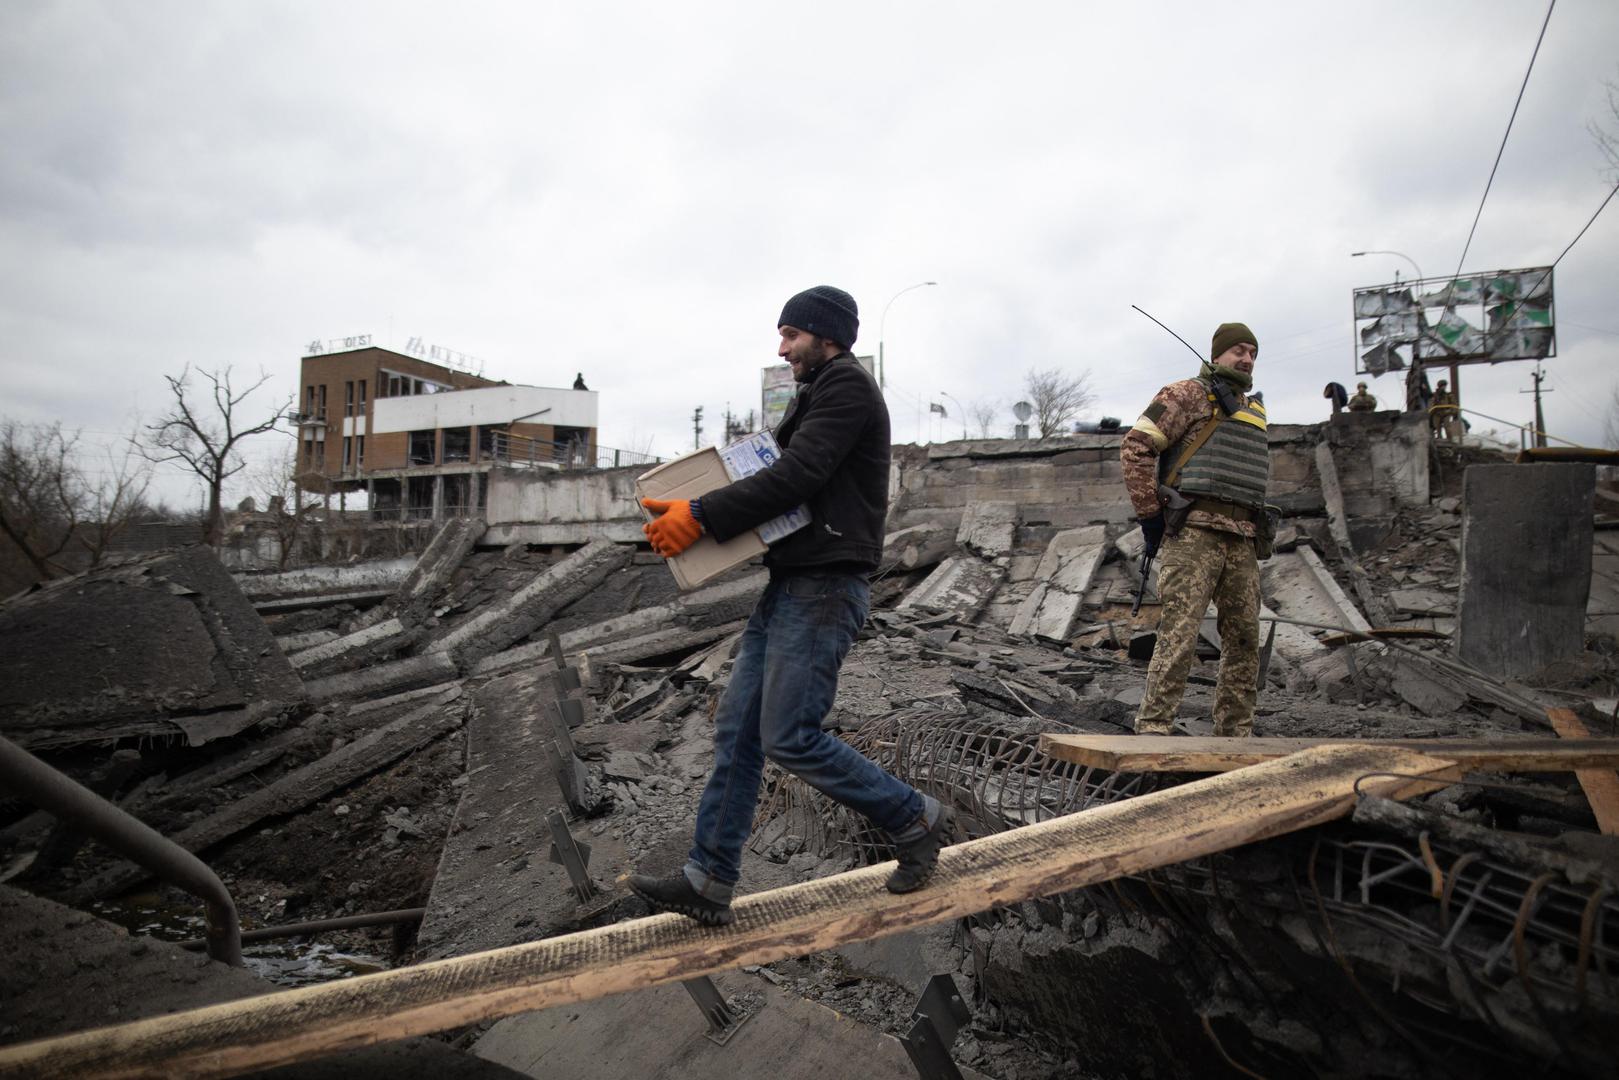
(50,790)
(320,926)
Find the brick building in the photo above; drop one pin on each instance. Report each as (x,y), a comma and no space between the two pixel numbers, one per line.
(421,438)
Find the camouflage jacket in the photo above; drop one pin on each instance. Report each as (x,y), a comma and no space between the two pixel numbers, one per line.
(1176,413)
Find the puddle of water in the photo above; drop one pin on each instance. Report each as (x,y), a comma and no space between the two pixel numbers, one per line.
(284,961)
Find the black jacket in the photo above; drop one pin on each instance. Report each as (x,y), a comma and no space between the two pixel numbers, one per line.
(835,449)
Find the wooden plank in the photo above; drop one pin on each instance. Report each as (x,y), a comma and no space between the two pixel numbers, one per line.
(1174,753)
(1601,786)
(1126,837)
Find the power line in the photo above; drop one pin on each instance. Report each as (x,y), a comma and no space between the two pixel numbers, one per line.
(1504,135)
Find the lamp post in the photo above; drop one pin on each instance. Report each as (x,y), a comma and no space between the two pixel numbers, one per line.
(882,370)
(960,410)
(1398,254)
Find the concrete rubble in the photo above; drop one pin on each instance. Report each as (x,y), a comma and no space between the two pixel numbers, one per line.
(432,719)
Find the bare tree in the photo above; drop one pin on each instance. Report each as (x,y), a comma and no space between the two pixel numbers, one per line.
(1057,398)
(289,506)
(55,514)
(984,413)
(1606,131)
(201,432)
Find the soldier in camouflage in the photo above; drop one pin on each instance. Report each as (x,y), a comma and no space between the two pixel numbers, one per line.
(1216,455)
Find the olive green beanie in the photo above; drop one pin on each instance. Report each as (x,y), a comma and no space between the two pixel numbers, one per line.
(1229,334)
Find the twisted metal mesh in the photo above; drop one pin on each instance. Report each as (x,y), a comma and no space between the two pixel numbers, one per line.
(1501,943)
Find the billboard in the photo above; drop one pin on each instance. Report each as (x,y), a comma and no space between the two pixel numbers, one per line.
(776,390)
(1474,319)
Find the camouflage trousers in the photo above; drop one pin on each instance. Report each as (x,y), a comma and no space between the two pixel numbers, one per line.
(1194,568)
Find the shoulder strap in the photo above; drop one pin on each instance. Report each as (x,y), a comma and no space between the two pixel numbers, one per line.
(1194,446)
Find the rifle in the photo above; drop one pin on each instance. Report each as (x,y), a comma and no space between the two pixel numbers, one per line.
(1176,508)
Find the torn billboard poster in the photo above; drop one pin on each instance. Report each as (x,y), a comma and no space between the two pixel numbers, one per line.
(1483,318)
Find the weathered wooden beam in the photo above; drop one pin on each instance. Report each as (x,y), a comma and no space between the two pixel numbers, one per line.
(1126,837)
(1601,786)
(1174,753)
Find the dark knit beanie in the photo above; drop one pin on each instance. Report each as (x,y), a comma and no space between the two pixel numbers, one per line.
(824,311)
(1229,334)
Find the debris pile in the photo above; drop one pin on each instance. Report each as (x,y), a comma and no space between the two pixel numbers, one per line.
(496,734)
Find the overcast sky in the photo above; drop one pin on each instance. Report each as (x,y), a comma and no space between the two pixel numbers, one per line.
(632,191)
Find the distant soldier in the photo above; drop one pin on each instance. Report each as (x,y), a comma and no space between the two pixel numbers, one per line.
(1336,394)
(1206,438)
(1362,401)
(579,382)
(1445,414)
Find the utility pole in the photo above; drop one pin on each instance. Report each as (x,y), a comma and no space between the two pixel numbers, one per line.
(1540,416)
(697,429)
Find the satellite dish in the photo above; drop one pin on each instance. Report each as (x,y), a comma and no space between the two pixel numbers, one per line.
(1022,410)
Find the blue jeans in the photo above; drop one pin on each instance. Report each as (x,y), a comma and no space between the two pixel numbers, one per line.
(782,686)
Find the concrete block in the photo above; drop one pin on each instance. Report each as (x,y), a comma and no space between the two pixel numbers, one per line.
(1526,565)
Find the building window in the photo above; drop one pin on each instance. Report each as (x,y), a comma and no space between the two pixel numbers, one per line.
(321,412)
(320,457)
(362,398)
(309,454)
(348,453)
(359,450)
(457,444)
(396,385)
(309,401)
(348,398)
(421,447)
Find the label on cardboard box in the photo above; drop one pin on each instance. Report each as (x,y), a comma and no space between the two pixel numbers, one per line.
(697,474)
(756,453)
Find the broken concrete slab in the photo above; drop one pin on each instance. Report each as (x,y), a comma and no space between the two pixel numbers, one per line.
(430,576)
(377,642)
(495,885)
(501,625)
(989,528)
(300,787)
(916,547)
(393,677)
(660,1033)
(292,643)
(378,576)
(1526,566)
(1064,573)
(1422,601)
(126,649)
(962,584)
(68,971)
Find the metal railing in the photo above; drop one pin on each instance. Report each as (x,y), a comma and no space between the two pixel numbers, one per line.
(506,448)
(51,791)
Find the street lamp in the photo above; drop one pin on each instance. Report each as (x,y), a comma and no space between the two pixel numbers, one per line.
(1399,254)
(882,376)
(960,410)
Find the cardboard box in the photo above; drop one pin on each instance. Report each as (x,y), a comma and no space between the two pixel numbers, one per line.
(697,474)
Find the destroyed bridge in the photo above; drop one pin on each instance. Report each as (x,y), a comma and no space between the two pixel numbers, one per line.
(368,816)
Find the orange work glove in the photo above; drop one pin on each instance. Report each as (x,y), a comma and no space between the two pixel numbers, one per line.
(674,529)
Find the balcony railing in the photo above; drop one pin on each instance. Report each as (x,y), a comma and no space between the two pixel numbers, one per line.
(524,452)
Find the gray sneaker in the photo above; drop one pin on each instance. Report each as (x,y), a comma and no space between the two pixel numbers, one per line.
(918,858)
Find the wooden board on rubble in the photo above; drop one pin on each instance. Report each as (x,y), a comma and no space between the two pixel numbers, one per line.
(1177,754)
(1601,786)
(1125,837)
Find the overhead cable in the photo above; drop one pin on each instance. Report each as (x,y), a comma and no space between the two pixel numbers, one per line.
(1502,148)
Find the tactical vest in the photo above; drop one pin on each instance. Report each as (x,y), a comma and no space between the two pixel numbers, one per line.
(1234,464)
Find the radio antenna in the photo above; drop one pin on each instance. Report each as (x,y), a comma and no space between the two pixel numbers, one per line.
(1172,334)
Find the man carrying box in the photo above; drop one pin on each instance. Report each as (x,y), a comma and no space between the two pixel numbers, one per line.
(834,461)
